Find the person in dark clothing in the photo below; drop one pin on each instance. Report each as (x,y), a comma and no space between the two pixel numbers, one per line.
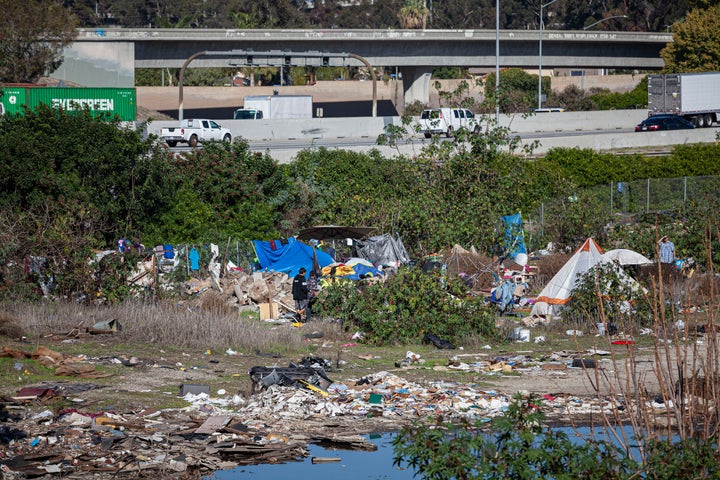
(300,293)
(312,285)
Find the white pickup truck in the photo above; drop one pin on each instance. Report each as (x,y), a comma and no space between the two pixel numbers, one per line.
(193,131)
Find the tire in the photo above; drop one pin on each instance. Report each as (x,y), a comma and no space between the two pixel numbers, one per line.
(193,141)
(709,118)
(449,133)
(171,143)
(428,135)
(227,138)
(476,130)
(699,121)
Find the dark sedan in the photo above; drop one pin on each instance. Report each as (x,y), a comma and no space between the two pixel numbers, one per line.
(663,122)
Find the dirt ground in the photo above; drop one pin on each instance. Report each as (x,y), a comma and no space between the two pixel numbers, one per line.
(136,424)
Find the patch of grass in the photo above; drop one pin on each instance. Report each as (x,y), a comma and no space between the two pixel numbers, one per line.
(16,373)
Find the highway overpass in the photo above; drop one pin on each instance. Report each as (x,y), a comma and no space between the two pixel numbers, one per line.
(414,52)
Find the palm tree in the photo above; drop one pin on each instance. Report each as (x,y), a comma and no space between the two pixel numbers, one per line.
(413,14)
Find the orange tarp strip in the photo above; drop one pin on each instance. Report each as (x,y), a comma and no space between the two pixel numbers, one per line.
(552,301)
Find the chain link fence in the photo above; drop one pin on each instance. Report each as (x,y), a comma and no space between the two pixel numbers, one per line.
(653,195)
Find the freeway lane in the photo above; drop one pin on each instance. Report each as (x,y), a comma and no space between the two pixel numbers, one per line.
(600,140)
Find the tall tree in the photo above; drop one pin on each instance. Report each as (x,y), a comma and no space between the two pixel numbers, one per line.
(32,36)
(695,47)
(413,14)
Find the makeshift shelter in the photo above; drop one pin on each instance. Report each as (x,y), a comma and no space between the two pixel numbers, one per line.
(624,257)
(382,250)
(557,292)
(481,269)
(514,244)
(288,256)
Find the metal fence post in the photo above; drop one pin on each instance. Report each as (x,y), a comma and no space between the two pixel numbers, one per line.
(647,199)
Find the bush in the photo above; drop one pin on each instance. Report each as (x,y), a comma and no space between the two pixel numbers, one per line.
(517,446)
(407,306)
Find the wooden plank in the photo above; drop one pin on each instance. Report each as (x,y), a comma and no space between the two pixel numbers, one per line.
(213,424)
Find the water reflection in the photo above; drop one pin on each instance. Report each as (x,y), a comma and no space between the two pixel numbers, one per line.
(353,465)
(357,465)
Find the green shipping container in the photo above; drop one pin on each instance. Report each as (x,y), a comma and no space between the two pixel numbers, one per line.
(101,101)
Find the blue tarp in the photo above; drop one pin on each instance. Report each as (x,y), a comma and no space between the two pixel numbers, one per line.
(288,256)
(360,272)
(514,238)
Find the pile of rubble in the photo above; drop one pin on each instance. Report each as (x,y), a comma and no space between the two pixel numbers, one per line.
(245,291)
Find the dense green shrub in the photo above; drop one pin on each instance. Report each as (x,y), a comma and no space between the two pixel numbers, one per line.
(515,445)
(634,99)
(225,190)
(407,306)
(518,445)
(518,91)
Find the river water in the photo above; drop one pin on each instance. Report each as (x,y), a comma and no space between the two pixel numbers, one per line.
(353,465)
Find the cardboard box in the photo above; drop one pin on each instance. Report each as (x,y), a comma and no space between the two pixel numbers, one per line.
(269,311)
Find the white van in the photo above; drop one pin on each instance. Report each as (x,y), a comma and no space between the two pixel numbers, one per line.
(445,121)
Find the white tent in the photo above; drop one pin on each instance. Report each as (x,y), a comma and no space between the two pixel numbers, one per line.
(557,292)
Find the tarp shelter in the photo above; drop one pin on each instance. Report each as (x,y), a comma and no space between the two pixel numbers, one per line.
(627,257)
(288,255)
(557,292)
(382,250)
(514,236)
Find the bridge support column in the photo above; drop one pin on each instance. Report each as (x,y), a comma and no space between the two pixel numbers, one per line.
(416,85)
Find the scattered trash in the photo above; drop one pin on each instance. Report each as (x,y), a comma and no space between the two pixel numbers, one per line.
(194,389)
(521,334)
(574,333)
(584,363)
(316,460)
(595,351)
(109,326)
(437,341)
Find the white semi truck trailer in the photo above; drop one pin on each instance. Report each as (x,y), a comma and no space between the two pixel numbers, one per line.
(694,96)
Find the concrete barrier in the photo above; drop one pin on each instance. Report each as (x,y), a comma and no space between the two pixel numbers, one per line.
(574,121)
(597,142)
(628,141)
(294,129)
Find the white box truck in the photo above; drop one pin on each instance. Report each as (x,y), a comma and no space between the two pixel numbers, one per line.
(276,106)
(694,96)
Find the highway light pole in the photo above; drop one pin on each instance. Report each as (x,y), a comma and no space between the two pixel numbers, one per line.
(497,63)
(582,85)
(604,20)
(542,5)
